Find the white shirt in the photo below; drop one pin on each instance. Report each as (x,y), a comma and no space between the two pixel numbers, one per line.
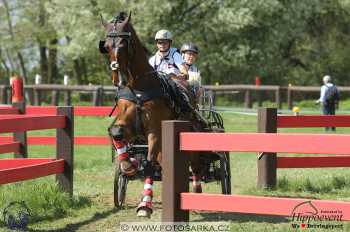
(194,75)
(169,63)
(323,92)
(192,68)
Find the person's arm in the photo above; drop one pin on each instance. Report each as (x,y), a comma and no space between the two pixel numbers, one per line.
(178,59)
(322,94)
(180,64)
(151,61)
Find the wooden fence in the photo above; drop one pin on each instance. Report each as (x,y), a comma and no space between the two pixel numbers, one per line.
(269,122)
(35,93)
(177,140)
(23,168)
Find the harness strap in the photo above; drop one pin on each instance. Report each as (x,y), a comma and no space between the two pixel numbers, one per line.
(138,121)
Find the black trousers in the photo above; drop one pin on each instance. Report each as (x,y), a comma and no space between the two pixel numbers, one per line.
(329,109)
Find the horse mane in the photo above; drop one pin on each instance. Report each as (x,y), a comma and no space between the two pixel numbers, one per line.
(137,41)
(142,54)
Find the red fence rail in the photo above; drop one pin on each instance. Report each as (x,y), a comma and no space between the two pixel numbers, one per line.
(254,204)
(13,170)
(9,146)
(261,142)
(177,201)
(303,121)
(101,111)
(269,122)
(17,123)
(52,110)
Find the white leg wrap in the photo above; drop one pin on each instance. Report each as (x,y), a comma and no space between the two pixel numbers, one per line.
(121,150)
(147,198)
(148,186)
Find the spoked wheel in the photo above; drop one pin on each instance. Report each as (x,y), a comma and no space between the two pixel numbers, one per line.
(225,172)
(120,185)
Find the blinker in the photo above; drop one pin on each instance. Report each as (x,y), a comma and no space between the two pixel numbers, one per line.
(102,47)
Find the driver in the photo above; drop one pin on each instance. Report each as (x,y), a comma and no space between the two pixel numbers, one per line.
(167,59)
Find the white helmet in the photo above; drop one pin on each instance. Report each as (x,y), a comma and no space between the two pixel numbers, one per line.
(163,34)
(327,79)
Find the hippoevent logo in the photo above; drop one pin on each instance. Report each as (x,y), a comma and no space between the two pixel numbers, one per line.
(307,216)
(16,215)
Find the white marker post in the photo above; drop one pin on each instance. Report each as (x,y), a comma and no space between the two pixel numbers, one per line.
(65,79)
(37,94)
(38,79)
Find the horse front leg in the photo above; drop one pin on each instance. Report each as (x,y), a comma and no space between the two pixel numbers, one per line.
(196,171)
(145,208)
(128,165)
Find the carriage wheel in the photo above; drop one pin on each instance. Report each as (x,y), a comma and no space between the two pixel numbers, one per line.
(225,172)
(120,185)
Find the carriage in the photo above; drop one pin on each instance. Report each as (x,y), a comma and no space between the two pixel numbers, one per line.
(215,165)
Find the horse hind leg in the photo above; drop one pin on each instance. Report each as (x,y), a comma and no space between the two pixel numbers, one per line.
(196,172)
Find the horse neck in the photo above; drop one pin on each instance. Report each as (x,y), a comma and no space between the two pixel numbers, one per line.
(144,76)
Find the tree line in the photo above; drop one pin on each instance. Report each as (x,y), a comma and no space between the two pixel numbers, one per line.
(284,42)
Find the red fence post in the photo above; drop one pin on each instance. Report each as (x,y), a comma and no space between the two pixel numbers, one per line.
(65,149)
(17,89)
(257,81)
(18,101)
(175,173)
(267,162)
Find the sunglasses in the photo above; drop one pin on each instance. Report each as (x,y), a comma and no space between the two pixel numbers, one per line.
(162,42)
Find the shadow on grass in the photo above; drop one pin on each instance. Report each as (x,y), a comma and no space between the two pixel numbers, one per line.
(239,217)
(59,212)
(76,226)
(56,210)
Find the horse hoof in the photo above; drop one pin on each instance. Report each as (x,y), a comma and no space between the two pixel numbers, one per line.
(129,167)
(145,212)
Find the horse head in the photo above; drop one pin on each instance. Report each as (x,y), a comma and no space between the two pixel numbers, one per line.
(118,46)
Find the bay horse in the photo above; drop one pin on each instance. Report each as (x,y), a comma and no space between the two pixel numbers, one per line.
(142,104)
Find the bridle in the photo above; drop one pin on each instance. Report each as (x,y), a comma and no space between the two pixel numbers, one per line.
(117,39)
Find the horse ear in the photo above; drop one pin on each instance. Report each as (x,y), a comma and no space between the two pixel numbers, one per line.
(104,22)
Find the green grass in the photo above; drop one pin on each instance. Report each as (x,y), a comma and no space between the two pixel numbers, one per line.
(91,208)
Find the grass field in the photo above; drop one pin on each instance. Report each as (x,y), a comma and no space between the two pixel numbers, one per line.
(91,208)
